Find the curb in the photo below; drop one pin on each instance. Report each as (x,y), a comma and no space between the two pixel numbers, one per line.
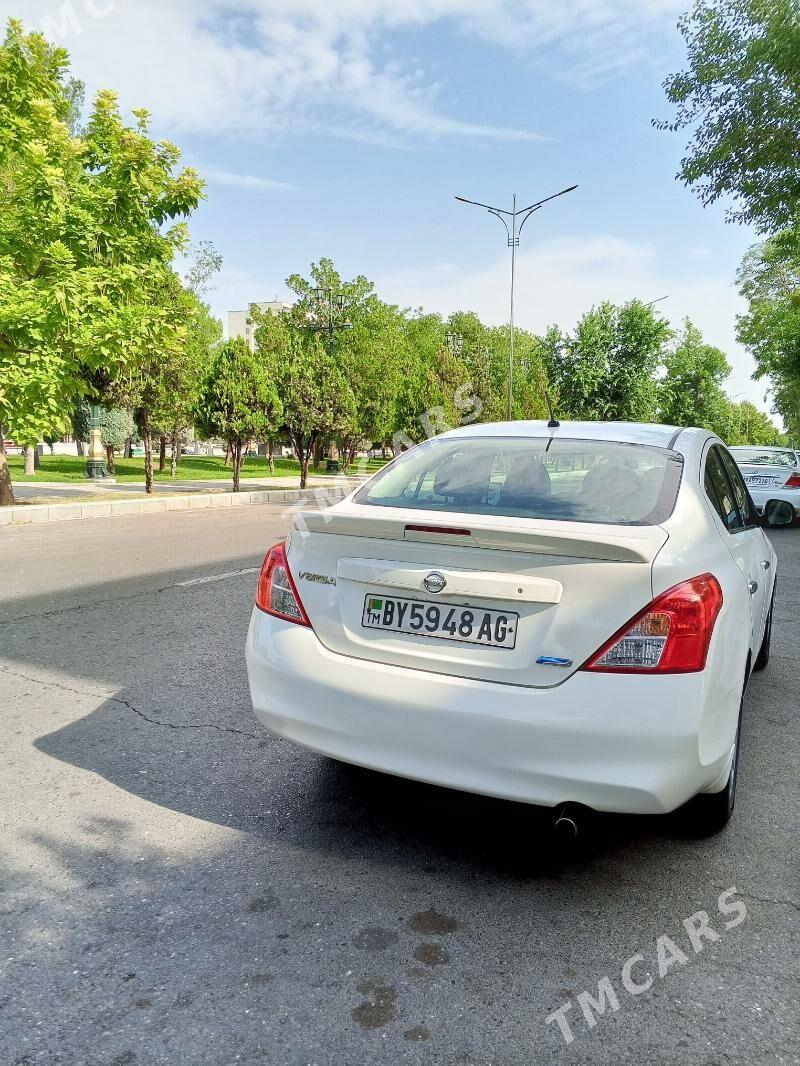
(70,512)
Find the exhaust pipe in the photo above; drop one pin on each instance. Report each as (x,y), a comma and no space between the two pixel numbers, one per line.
(566,822)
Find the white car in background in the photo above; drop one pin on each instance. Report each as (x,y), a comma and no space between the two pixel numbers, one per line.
(770,474)
(563,615)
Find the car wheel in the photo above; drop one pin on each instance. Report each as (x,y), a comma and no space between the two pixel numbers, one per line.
(763,652)
(710,812)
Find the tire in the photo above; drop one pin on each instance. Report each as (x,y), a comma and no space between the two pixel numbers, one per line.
(709,812)
(763,652)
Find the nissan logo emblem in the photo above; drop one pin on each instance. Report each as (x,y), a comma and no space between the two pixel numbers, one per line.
(435,581)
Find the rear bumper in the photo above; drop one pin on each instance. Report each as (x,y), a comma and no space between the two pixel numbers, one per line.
(761,497)
(628,744)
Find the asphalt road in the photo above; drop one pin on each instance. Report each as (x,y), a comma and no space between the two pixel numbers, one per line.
(181,887)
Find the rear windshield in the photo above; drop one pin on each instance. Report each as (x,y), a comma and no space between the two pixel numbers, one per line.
(762,457)
(531,477)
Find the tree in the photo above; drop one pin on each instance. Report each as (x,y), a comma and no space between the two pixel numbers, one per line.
(237,401)
(179,377)
(769,279)
(741,97)
(116,425)
(691,393)
(87,238)
(606,369)
(748,425)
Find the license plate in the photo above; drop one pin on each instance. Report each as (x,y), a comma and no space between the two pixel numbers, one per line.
(753,479)
(469,625)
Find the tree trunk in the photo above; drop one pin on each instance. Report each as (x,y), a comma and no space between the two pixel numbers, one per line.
(79,446)
(237,463)
(162,453)
(128,452)
(173,466)
(271,458)
(227,454)
(383,450)
(6,488)
(110,463)
(30,459)
(317,451)
(147,438)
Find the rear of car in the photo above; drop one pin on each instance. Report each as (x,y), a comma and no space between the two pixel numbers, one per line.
(524,614)
(770,474)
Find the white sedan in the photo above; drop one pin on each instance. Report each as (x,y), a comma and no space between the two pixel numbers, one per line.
(563,616)
(770,474)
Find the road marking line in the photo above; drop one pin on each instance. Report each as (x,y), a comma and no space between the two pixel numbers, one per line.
(219,577)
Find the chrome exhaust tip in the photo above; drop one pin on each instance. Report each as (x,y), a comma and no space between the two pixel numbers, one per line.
(565,822)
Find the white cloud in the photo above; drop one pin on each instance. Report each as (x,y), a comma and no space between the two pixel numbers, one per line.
(560,279)
(217,176)
(255,67)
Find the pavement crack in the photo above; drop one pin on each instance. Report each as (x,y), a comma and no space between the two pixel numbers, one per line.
(130,706)
(768,899)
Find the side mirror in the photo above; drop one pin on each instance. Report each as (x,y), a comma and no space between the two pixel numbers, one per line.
(779,513)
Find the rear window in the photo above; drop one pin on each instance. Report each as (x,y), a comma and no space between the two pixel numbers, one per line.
(762,457)
(528,477)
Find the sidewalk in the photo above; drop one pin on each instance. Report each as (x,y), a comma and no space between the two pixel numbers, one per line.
(124,502)
(53,491)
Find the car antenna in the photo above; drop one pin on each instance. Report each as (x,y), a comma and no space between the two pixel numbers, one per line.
(553,423)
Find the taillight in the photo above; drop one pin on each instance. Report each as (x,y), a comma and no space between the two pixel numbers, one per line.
(670,636)
(794,481)
(276,593)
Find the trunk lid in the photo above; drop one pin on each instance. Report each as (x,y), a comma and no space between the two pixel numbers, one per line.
(763,476)
(571,584)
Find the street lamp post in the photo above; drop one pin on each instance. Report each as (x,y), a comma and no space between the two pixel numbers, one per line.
(454,342)
(513,232)
(333,304)
(95,454)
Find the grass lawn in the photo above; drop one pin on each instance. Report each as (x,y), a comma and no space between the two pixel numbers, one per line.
(190,468)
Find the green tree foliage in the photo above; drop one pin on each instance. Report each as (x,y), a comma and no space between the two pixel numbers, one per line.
(87,237)
(691,392)
(237,400)
(740,95)
(316,397)
(769,279)
(605,369)
(747,425)
(179,377)
(116,425)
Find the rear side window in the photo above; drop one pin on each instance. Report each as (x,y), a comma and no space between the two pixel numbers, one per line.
(557,478)
(720,493)
(727,491)
(745,504)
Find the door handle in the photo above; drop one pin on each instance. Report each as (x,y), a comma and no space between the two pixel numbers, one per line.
(753,586)
(766,564)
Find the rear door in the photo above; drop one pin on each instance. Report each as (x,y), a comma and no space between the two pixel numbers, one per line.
(727,491)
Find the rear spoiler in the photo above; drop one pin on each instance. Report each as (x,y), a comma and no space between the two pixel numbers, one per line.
(622,544)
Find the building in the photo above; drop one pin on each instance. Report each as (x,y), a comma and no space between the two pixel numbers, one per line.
(239,324)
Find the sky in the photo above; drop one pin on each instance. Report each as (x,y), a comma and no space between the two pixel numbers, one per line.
(345,128)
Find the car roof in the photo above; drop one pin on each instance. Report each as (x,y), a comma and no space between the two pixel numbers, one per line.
(760,448)
(625,432)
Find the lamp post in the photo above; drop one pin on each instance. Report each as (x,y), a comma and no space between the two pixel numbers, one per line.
(513,232)
(454,342)
(335,305)
(95,453)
